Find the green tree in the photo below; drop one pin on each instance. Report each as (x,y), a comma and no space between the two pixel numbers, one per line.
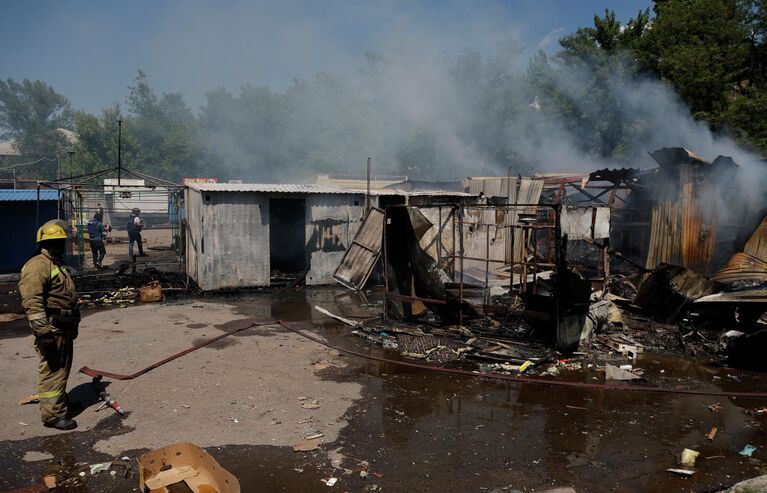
(33,115)
(701,48)
(97,136)
(165,132)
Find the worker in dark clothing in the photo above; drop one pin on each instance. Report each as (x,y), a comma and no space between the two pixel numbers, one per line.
(50,300)
(135,225)
(96,230)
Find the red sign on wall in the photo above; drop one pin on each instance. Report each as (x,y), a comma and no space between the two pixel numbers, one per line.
(189,181)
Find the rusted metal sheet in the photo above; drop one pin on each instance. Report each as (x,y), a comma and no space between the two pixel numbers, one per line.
(527,192)
(756,246)
(361,256)
(683,227)
(742,267)
(750,265)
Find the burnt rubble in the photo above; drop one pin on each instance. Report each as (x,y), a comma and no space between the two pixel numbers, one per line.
(548,269)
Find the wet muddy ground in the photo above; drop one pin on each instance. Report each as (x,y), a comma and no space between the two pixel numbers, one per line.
(428,431)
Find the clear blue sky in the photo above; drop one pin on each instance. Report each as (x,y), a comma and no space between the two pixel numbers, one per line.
(90,50)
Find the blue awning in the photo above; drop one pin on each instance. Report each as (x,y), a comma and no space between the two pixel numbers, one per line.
(27,195)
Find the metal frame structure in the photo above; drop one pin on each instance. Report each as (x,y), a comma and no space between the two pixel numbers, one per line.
(77,191)
(538,217)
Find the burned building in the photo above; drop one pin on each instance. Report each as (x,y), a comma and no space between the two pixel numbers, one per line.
(247,235)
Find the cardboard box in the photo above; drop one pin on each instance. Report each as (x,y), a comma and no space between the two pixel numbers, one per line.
(184,462)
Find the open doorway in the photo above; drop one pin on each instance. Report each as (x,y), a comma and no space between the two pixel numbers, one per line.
(287,235)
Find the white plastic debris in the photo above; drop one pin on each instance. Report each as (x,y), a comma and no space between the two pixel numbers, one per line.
(330,482)
(102,466)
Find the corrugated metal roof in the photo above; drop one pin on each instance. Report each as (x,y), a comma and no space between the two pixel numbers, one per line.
(27,195)
(270,188)
(310,188)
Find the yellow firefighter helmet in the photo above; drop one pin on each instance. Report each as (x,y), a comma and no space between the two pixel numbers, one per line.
(54,229)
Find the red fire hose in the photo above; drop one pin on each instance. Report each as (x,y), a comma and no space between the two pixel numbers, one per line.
(117,376)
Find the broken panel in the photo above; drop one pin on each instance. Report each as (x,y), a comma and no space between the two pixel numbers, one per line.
(360,259)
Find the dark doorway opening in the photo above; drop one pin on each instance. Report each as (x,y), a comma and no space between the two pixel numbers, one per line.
(287,235)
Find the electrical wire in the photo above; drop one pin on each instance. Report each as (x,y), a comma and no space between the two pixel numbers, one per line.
(27,164)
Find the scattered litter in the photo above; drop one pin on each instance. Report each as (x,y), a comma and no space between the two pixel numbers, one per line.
(151,293)
(364,474)
(576,407)
(315,436)
(113,473)
(102,466)
(616,373)
(311,405)
(682,472)
(50,481)
(185,406)
(23,423)
(81,474)
(35,456)
(747,451)
(337,317)
(711,434)
(306,445)
(524,366)
(379,475)
(184,462)
(298,470)
(688,457)
(233,420)
(715,407)
(329,482)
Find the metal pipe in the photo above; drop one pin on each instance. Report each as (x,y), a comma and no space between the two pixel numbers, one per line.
(460,261)
(367,197)
(487,264)
(385,267)
(119,151)
(37,206)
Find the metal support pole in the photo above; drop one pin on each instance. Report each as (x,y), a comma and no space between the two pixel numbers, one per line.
(385,269)
(37,210)
(119,151)
(439,236)
(559,243)
(605,268)
(452,257)
(367,197)
(460,262)
(487,265)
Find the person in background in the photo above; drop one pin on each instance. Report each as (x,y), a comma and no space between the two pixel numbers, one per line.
(135,225)
(96,230)
(49,299)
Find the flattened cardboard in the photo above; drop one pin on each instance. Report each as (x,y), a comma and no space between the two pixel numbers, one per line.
(189,463)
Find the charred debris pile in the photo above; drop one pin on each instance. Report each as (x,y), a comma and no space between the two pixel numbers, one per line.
(574,269)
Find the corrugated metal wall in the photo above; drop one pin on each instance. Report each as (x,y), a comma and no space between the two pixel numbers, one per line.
(332,222)
(683,230)
(228,236)
(228,239)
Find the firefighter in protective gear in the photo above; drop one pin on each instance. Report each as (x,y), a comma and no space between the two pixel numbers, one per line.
(50,300)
